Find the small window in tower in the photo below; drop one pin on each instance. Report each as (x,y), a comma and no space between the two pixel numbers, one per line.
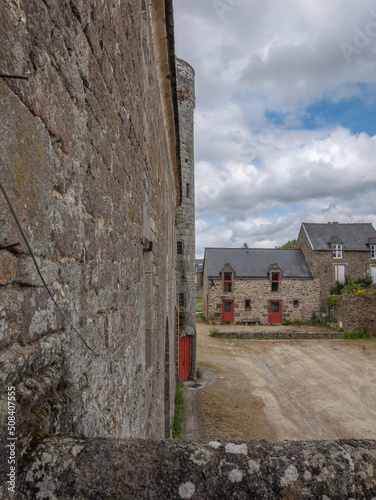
(179,247)
(187,190)
(181,300)
(247,304)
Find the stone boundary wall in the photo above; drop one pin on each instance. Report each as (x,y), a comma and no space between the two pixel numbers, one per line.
(356,313)
(281,335)
(173,469)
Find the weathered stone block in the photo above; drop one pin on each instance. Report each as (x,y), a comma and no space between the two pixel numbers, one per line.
(8,268)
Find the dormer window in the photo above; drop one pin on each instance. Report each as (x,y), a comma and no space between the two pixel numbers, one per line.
(227,282)
(373,251)
(275,282)
(337,251)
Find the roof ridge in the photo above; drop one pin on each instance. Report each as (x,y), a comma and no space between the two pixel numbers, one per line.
(338,223)
(253,248)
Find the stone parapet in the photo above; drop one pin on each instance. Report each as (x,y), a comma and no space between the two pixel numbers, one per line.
(129,470)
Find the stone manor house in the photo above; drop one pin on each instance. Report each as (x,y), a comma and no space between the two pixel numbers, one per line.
(97,162)
(270,285)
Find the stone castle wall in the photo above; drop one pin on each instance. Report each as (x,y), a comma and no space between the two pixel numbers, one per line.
(185,214)
(87,165)
(258,291)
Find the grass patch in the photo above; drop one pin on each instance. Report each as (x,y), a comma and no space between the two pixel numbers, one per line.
(199,371)
(361,334)
(203,317)
(199,305)
(214,333)
(177,423)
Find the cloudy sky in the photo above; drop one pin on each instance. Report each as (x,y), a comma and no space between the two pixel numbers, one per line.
(285,128)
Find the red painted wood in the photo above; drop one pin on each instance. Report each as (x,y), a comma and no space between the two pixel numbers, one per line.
(184,358)
(228,311)
(275,311)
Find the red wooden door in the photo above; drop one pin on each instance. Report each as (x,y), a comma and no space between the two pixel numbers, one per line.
(275,311)
(228,311)
(184,358)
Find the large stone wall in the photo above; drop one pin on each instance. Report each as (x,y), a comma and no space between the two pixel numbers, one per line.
(88,167)
(306,291)
(263,470)
(356,313)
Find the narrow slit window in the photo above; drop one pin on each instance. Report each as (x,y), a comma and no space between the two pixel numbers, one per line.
(275,282)
(227,282)
(179,247)
(187,190)
(296,303)
(181,300)
(247,305)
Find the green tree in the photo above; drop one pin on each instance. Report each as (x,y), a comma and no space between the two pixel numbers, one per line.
(289,244)
(245,245)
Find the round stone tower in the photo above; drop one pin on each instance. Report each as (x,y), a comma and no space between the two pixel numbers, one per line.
(185,223)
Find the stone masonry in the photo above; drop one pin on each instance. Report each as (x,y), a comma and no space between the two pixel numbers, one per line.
(89,161)
(185,215)
(258,291)
(322,265)
(175,469)
(356,313)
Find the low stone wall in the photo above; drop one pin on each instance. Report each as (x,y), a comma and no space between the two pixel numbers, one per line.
(173,469)
(356,313)
(281,335)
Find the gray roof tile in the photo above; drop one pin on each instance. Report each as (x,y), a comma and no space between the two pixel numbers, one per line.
(256,262)
(354,237)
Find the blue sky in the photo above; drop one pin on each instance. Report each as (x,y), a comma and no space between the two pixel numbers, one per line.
(285,115)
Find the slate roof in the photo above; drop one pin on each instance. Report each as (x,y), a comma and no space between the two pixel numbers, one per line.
(256,262)
(354,237)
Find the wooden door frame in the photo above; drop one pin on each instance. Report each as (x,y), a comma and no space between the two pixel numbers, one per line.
(232,309)
(270,306)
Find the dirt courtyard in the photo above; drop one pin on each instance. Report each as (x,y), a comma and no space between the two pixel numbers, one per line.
(287,389)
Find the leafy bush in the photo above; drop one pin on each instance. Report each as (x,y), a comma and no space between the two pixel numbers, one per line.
(296,322)
(182,318)
(214,333)
(314,319)
(366,282)
(331,301)
(286,322)
(177,423)
(361,334)
(199,371)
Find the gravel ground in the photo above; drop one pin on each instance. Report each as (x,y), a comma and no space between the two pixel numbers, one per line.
(286,389)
